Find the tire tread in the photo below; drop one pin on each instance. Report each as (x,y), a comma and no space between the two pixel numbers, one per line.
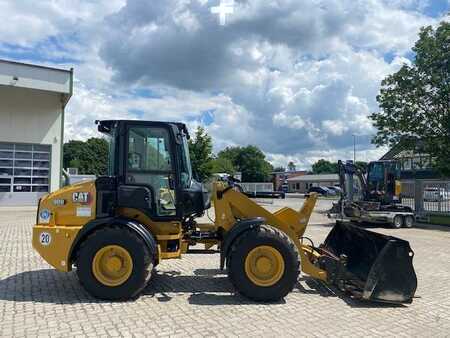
(264,231)
(147,257)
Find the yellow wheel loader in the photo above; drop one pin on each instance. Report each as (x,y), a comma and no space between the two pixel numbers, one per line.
(116,229)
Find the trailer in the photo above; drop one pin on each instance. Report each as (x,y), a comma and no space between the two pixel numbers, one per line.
(395,216)
(372,198)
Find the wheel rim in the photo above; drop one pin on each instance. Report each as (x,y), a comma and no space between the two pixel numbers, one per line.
(112,265)
(397,221)
(408,222)
(264,265)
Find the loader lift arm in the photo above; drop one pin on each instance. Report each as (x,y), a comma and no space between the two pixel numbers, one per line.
(234,209)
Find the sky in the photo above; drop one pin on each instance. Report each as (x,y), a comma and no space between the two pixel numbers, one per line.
(296,78)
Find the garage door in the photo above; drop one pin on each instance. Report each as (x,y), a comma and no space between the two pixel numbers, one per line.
(24,173)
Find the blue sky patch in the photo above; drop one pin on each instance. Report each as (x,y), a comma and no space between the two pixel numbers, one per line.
(437,8)
(146,93)
(137,112)
(207,117)
(50,50)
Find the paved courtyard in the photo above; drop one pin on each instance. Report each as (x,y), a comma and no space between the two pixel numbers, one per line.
(191,297)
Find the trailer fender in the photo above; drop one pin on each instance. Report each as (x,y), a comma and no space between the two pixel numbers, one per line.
(93,225)
(238,229)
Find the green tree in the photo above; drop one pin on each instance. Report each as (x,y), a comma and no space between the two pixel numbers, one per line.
(230,153)
(223,165)
(250,161)
(97,152)
(325,167)
(415,101)
(291,166)
(72,152)
(90,157)
(200,151)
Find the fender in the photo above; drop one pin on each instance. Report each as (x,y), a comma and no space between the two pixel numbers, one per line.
(95,224)
(238,229)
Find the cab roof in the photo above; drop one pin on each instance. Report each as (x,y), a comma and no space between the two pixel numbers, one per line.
(105,126)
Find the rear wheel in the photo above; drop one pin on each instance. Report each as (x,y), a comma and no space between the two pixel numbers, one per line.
(409,221)
(263,264)
(397,222)
(114,263)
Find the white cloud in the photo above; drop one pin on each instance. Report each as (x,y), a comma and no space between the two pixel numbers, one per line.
(335,127)
(304,161)
(296,78)
(293,121)
(27,22)
(294,81)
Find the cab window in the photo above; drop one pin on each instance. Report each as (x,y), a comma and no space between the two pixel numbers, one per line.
(149,162)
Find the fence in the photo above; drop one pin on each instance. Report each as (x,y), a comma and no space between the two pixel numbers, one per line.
(255,188)
(427,197)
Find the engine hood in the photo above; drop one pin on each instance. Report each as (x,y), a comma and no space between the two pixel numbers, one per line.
(72,205)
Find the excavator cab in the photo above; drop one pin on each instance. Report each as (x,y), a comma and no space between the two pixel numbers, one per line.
(383,183)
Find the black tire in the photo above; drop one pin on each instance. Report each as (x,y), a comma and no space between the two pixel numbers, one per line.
(397,222)
(408,222)
(143,263)
(264,235)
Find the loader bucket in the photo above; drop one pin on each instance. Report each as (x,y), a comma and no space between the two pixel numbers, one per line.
(379,267)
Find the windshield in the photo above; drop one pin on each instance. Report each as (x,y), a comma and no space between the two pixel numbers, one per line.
(376,172)
(186,169)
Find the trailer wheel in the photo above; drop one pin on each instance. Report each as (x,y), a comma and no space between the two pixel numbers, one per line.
(263,264)
(397,222)
(114,263)
(409,221)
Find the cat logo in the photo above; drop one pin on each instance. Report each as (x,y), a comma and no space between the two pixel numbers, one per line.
(80,197)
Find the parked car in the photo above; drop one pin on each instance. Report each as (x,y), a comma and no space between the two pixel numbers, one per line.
(436,194)
(336,189)
(324,191)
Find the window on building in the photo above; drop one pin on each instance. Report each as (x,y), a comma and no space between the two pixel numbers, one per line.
(24,167)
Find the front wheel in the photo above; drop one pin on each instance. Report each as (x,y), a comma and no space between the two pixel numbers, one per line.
(114,263)
(397,222)
(263,264)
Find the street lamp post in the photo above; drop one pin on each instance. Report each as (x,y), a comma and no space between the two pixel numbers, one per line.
(354,148)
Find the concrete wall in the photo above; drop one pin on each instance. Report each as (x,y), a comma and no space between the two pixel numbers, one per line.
(33,116)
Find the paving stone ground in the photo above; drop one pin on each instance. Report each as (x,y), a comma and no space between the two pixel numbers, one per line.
(191,297)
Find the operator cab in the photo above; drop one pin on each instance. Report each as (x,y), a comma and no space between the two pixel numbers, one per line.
(382,178)
(149,169)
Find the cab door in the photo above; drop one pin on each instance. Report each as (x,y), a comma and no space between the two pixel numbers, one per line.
(150,171)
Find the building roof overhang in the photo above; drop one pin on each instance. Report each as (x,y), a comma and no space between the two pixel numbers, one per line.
(29,76)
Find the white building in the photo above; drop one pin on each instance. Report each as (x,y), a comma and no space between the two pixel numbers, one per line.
(32,103)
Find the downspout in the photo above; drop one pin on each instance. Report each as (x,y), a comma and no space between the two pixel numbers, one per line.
(65,99)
